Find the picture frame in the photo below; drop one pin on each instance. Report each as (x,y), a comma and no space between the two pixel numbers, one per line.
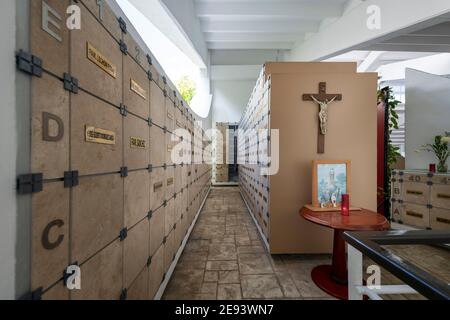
(330,180)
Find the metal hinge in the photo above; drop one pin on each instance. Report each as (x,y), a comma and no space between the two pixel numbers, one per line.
(29,64)
(124,172)
(150,168)
(123,234)
(122,25)
(150,215)
(123,47)
(149,75)
(124,294)
(149,262)
(30,183)
(71,179)
(149,59)
(70,83)
(123,110)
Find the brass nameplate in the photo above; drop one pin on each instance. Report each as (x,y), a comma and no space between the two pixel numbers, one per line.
(170,181)
(169,115)
(137,143)
(444,196)
(442,220)
(136,88)
(101,136)
(179,124)
(157,186)
(414,214)
(101,61)
(413,192)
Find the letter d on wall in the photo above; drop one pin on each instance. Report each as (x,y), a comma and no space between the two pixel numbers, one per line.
(46,134)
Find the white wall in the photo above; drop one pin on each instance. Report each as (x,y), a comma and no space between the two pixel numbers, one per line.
(427,114)
(438,64)
(184,12)
(8,149)
(230,98)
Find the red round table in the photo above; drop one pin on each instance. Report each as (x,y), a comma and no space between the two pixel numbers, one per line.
(333,279)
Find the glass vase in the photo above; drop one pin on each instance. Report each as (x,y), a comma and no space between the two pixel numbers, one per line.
(442,167)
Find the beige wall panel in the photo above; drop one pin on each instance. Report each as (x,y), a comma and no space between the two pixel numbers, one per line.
(88,157)
(157,146)
(178,179)
(416,215)
(157,188)
(157,105)
(50,235)
(157,225)
(91,77)
(169,148)
(352,126)
(137,199)
(105,15)
(440,196)
(169,251)
(136,143)
(309,67)
(440,219)
(178,207)
(52,47)
(136,251)
(170,182)
(139,289)
(136,88)
(135,51)
(170,115)
(102,275)
(58,293)
(156,272)
(418,193)
(169,217)
(50,121)
(97,214)
(178,234)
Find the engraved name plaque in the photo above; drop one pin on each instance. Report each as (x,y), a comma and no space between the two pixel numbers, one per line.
(100,136)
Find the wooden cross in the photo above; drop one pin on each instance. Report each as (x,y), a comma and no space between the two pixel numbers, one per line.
(323,99)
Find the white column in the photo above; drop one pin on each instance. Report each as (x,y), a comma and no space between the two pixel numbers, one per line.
(355,273)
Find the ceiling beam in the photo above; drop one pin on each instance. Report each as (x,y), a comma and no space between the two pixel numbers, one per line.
(254,37)
(293,26)
(420,40)
(304,10)
(371,62)
(246,45)
(409,47)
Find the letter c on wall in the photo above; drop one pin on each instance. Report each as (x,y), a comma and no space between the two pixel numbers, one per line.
(45,235)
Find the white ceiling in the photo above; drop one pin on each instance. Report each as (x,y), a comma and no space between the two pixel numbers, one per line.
(263,24)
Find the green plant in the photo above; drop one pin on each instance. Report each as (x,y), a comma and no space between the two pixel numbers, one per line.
(440,149)
(387,97)
(187,88)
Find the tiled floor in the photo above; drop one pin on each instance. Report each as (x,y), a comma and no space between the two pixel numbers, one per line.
(225,259)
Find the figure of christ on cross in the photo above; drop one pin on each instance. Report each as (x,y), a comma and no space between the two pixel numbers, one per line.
(323,100)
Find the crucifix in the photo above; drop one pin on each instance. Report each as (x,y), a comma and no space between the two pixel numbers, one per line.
(323,100)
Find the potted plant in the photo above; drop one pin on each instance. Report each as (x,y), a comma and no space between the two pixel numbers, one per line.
(441,150)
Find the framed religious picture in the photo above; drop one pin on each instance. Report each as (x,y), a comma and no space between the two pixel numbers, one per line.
(331,179)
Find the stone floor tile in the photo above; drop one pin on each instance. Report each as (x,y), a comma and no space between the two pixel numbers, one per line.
(254,263)
(229,277)
(261,287)
(229,292)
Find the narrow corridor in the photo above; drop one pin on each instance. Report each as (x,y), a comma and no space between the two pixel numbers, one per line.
(226,259)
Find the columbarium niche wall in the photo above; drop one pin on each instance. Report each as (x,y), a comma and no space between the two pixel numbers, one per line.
(105,194)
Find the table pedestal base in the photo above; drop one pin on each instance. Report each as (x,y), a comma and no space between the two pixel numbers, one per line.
(322,277)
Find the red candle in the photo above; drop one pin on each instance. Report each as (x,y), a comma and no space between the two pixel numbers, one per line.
(433,168)
(345,205)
